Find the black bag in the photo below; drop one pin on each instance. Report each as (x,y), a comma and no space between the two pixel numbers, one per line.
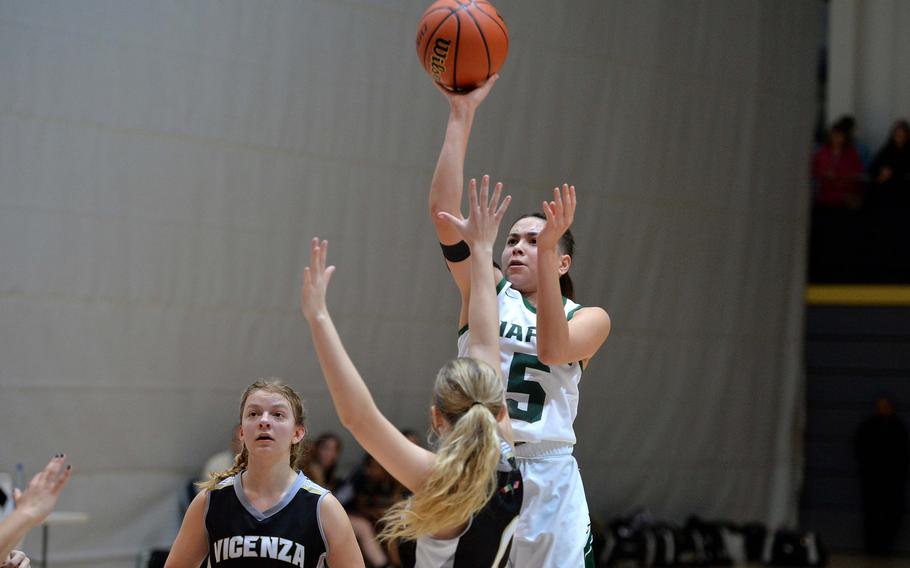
(755,535)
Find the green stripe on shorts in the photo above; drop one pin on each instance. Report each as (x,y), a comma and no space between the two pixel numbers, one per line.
(589,550)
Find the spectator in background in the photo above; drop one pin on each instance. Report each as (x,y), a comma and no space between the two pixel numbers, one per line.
(223,460)
(392,546)
(848,124)
(217,463)
(367,493)
(323,459)
(890,170)
(837,171)
(838,244)
(882,452)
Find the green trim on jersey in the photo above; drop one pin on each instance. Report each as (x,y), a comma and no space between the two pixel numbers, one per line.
(499,286)
(531,308)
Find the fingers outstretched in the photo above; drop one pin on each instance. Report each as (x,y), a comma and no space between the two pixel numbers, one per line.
(485,213)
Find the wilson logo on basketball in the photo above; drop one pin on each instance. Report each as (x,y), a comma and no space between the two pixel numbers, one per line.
(461,43)
(420,33)
(440,53)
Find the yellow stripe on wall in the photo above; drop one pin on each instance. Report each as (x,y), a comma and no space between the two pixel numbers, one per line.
(857,295)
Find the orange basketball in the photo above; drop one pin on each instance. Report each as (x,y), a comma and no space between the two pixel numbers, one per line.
(461,43)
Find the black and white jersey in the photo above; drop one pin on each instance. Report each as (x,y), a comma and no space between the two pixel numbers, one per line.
(486,541)
(287,534)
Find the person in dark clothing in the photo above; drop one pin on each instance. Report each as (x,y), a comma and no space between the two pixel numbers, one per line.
(890,170)
(368,493)
(888,208)
(882,452)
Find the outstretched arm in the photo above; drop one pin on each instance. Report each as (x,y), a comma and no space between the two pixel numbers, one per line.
(479,231)
(448,179)
(407,462)
(35,504)
(560,341)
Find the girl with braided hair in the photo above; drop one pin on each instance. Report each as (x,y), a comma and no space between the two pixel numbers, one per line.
(264,511)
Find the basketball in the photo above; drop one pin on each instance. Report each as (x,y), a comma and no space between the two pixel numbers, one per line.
(461,43)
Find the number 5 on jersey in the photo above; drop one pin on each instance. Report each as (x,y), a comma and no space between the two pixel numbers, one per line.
(518,383)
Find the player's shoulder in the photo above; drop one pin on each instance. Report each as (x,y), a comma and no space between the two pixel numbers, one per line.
(591,311)
(595,315)
(226,483)
(309,486)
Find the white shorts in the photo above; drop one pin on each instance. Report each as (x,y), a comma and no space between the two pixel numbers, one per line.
(554,528)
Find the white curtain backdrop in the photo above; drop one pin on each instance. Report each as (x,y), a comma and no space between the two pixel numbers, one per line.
(868,55)
(163,164)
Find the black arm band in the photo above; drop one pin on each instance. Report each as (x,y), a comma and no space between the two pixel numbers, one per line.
(457,252)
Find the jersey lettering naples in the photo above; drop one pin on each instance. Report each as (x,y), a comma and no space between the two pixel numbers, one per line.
(259,547)
(508,330)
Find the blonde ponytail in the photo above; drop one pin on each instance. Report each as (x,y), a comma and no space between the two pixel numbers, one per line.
(468,393)
(298,450)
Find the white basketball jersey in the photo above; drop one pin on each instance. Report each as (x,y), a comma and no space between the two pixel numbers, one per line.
(542,399)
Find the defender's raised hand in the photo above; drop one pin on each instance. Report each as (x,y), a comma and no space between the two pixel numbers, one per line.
(484,215)
(316,279)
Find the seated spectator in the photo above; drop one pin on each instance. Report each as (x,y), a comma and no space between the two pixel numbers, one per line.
(837,172)
(368,492)
(323,459)
(890,170)
(392,546)
(32,507)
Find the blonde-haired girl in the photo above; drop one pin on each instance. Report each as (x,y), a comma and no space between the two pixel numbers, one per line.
(264,511)
(466,496)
